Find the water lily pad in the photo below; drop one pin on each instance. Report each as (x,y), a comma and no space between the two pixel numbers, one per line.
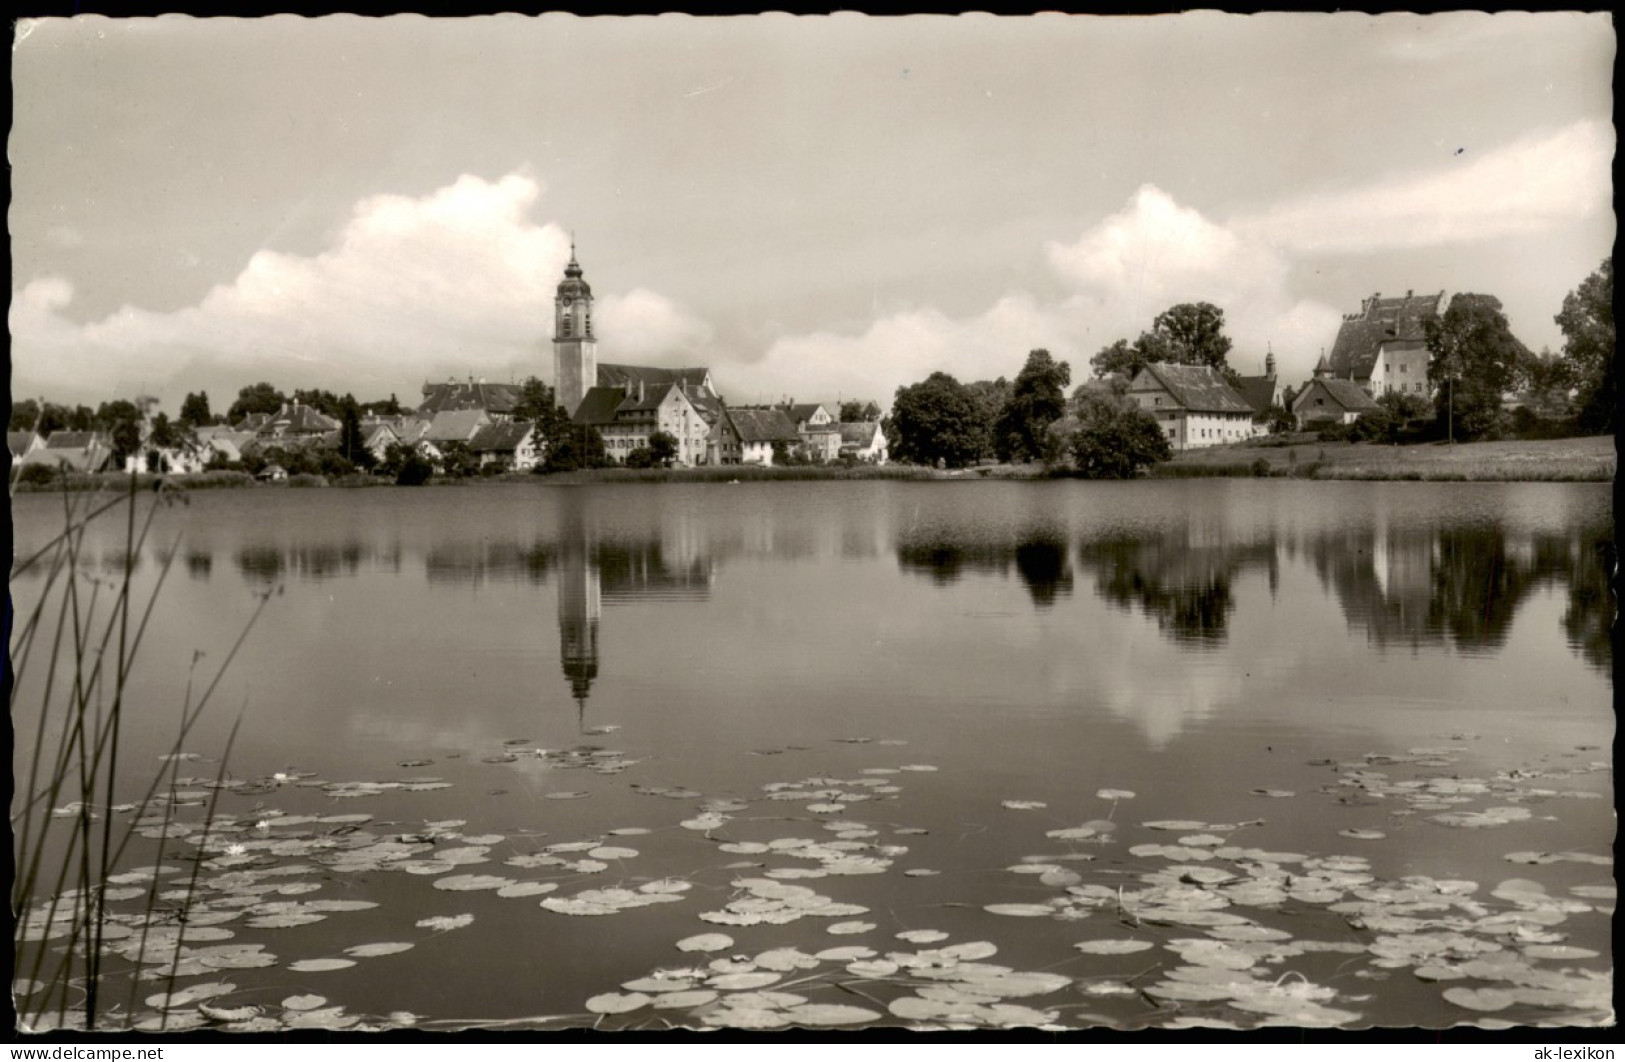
(686,1000)
(1115,794)
(1113,947)
(189,995)
(1023,805)
(372,951)
(1480,999)
(527,888)
(441,923)
(320,965)
(850,928)
(736,981)
(831,1014)
(472,882)
(216,1012)
(922,936)
(705,942)
(1020,910)
(845,953)
(617,1002)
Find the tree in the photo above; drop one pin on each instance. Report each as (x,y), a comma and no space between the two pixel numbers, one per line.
(24,415)
(935,420)
(1120,357)
(1474,359)
(1037,400)
(164,434)
(121,420)
(1191,333)
(415,470)
(383,407)
(662,449)
(258,398)
(990,397)
(1390,420)
(1278,418)
(572,446)
(854,411)
(195,410)
(536,400)
(1115,439)
(457,461)
(352,444)
(1587,322)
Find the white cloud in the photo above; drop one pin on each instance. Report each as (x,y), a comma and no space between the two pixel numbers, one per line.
(457,281)
(1527,186)
(643,326)
(1120,273)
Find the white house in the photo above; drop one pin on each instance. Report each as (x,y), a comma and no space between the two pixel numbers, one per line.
(864,440)
(626,415)
(748,435)
(1193,404)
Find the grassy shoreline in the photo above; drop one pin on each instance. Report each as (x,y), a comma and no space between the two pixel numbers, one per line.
(1589,459)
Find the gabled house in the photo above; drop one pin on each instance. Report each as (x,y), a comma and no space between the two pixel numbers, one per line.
(1193,404)
(820,433)
(229,445)
(509,444)
(296,421)
(864,440)
(1383,348)
(378,439)
(77,451)
(1325,399)
(747,435)
(23,443)
(455,426)
(497,401)
(253,422)
(628,414)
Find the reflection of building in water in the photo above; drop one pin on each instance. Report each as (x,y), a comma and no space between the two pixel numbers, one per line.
(1384,580)
(671,564)
(1039,559)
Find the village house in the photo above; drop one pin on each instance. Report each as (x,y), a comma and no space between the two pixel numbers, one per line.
(224,443)
(77,451)
(252,422)
(23,443)
(864,441)
(296,421)
(496,401)
(627,416)
(1325,400)
(455,426)
(1383,347)
(509,445)
(1193,404)
(820,433)
(746,436)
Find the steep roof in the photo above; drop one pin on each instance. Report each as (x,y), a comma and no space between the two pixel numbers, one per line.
(300,420)
(1198,388)
(859,433)
(74,458)
(649,402)
(74,440)
(253,421)
(18,442)
(1257,391)
(372,435)
(455,425)
(1346,393)
(802,410)
(500,438)
(1394,320)
(598,405)
(614,375)
(763,425)
(453,396)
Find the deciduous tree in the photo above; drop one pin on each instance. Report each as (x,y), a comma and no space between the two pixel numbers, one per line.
(1037,400)
(1587,322)
(1474,360)
(195,410)
(937,420)
(256,398)
(1115,439)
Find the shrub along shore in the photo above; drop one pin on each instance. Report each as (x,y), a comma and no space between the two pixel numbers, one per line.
(1589,459)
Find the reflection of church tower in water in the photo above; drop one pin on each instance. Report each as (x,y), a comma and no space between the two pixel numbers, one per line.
(580,605)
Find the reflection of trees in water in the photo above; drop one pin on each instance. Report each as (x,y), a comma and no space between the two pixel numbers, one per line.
(199,565)
(1466,583)
(1185,588)
(1040,561)
(474,562)
(269,563)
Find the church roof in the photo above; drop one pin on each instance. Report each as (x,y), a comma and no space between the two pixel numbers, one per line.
(620,375)
(1401,319)
(572,286)
(1257,391)
(598,405)
(500,438)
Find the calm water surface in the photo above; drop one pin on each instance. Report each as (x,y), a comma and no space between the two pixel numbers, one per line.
(917,654)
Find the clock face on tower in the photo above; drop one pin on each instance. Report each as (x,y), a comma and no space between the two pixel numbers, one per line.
(565,302)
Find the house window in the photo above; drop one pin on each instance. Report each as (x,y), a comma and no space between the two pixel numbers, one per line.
(1404,368)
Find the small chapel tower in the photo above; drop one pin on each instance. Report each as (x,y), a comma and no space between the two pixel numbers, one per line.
(575,351)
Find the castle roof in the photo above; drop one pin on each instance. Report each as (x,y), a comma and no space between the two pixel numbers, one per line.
(1198,388)
(1399,320)
(452,395)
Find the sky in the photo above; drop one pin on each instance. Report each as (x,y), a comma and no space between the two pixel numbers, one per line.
(817,208)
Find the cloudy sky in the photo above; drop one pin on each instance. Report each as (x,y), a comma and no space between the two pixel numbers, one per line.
(814,207)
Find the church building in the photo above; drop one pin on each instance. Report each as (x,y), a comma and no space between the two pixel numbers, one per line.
(627,403)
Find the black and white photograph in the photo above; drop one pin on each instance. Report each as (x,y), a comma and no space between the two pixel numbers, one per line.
(773,525)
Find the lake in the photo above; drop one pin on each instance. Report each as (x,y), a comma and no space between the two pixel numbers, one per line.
(1202,753)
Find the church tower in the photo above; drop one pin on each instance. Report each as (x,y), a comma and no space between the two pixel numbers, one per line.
(575,351)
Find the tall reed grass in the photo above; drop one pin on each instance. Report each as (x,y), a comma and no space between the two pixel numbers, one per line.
(72,655)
